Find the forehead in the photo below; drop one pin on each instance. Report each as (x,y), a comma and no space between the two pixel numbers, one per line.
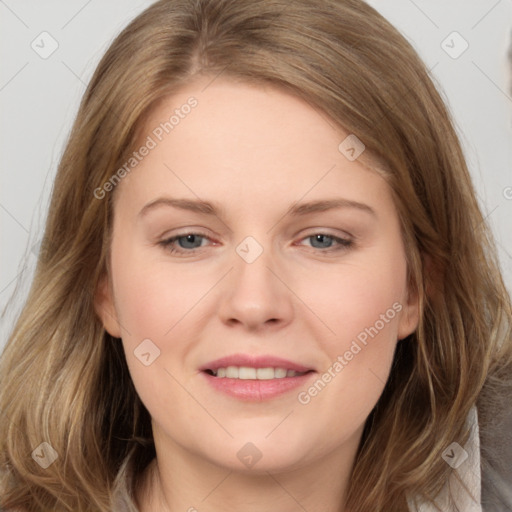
(231,140)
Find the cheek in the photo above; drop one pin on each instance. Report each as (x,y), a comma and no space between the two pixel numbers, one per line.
(162,304)
(362,305)
(154,307)
(359,298)
(152,298)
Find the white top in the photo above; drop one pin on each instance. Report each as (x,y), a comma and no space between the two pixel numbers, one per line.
(464,483)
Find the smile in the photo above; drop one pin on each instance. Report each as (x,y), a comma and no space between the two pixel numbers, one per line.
(253,378)
(249,373)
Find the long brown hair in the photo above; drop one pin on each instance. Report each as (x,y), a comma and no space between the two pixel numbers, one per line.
(64,380)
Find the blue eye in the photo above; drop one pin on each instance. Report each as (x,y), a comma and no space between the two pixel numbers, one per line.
(190,242)
(323,238)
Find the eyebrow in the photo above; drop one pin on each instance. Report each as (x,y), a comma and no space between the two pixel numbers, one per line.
(295,210)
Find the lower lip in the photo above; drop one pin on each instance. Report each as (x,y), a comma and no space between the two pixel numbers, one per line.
(256,390)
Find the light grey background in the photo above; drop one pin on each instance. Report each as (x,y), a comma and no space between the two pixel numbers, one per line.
(39,98)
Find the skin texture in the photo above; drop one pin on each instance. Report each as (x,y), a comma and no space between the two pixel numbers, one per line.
(256,151)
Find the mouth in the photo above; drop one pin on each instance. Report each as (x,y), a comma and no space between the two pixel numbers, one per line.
(250,373)
(250,378)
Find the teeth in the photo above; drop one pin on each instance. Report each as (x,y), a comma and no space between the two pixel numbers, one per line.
(232,372)
(246,373)
(279,373)
(264,373)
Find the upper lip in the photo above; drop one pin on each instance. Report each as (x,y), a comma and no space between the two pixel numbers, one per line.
(263,361)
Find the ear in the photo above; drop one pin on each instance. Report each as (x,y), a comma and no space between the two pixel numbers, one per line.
(410,314)
(104,307)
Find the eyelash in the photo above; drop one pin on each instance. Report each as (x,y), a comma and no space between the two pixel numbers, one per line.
(344,243)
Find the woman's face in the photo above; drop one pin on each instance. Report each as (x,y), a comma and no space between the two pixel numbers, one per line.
(266,328)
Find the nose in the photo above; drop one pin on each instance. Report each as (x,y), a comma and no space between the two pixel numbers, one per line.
(257,295)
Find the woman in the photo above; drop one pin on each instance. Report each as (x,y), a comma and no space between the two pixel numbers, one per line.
(258,367)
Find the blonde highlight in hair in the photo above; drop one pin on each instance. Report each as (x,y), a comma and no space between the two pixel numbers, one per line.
(64,380)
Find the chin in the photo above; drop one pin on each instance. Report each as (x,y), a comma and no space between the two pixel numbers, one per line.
(257,455)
